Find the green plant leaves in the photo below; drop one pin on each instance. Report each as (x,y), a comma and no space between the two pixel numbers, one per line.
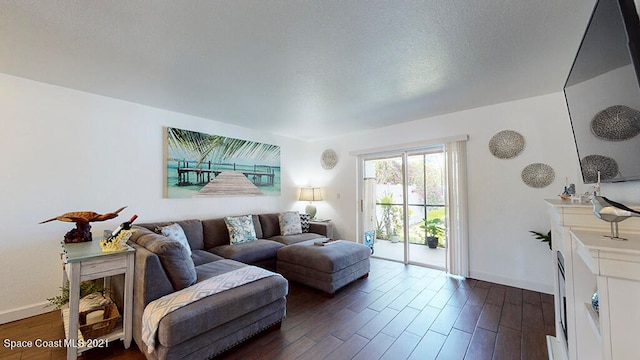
(542,237)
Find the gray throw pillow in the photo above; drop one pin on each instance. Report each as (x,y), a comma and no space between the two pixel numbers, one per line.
(174,257)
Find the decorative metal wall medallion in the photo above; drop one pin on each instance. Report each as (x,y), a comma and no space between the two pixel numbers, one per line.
(591,164)
(506,144)
(616,123)
(538,175)
(328,159)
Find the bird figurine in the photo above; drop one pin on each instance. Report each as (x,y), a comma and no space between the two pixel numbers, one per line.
(612,212)
(82,232)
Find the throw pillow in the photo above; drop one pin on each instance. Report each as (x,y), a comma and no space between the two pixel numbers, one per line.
(175,260)
(290,223)
(175,233)
(305,220)
(241,229)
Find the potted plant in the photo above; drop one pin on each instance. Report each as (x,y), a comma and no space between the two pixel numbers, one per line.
(394,237)
(389,224)
(434,230)
(86,288)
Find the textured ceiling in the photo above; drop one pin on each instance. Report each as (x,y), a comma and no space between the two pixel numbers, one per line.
(303,69)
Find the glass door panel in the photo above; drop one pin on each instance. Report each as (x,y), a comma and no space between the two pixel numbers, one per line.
(415,182)
(425,188)
(383,206)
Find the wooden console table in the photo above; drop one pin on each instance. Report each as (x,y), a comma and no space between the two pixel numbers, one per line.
(86,261)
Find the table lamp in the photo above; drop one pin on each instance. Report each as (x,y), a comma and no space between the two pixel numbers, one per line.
(310,194)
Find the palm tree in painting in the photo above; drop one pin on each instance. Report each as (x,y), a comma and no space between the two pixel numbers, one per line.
(219,147)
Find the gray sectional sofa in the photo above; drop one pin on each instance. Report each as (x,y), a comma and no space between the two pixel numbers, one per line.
(213,324)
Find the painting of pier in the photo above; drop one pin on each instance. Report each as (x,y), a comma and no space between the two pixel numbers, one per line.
(204,165)
(229,182)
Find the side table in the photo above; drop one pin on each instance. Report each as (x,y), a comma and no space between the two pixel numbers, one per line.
(86,261)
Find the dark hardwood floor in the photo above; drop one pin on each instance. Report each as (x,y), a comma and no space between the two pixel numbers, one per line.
(399,312)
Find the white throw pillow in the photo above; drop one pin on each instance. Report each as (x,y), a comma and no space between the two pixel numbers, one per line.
(290,223)
(176,233)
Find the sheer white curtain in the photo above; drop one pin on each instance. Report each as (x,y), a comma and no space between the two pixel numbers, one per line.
(457,212)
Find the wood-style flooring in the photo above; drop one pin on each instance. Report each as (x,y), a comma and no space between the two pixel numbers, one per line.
(399,312)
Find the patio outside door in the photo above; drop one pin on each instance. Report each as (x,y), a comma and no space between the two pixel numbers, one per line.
(425,200)
(404,204)
(384,206)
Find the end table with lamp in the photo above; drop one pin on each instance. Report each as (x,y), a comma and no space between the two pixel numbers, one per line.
(310,194)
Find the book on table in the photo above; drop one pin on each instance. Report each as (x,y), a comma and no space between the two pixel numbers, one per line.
(325,242)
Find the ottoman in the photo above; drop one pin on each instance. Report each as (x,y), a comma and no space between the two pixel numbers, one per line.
(326,268)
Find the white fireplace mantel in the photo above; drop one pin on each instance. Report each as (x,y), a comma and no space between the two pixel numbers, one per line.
(593,263)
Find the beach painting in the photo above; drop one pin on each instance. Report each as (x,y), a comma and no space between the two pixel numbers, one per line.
(205,165)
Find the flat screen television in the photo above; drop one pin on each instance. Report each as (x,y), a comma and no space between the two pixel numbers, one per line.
(603,94)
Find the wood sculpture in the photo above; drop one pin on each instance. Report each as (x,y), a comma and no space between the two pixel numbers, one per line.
(82,232)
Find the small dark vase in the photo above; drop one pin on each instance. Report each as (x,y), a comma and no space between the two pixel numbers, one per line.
(432,242)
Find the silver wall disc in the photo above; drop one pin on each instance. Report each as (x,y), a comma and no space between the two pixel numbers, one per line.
(506,144)
(591,164)
(538,175)
(616,123)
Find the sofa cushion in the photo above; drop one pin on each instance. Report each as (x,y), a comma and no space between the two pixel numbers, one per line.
(192,229)
(270,225)
(175,259)
(209,270)
(240,229)
(292,239)
(305,220)
(257,226)
(176,233)
(289,222)
(210,312)
(250,252)
(201,257)
(215,233)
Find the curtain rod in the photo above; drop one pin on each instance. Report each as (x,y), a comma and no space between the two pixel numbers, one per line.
(410,146)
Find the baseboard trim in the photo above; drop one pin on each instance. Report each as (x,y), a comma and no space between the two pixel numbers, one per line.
(24,312)
(539,287)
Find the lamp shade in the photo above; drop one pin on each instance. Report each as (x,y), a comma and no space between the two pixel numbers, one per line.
(310,194)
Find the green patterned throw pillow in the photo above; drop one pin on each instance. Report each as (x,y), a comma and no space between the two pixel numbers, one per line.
(240,228)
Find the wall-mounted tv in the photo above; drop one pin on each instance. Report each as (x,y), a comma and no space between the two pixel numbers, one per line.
(603,94)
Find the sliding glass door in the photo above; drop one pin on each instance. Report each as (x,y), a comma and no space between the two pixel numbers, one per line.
(384,198)
(426,208)
(403,203)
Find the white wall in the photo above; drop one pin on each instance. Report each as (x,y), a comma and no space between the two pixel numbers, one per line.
(502,208)
(65,150)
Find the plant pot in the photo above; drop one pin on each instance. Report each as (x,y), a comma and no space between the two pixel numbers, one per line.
(394,238)
(432,242)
